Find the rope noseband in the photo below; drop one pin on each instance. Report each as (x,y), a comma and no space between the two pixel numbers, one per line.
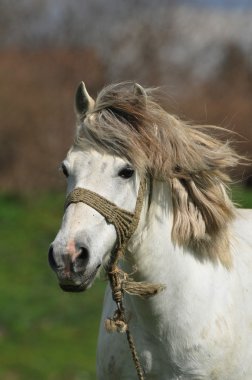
(125,224)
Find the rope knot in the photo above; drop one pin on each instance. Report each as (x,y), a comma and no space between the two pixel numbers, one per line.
(116,281)
(116,324)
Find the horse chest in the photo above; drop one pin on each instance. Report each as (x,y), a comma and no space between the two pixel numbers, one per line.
(114,360)
(170,352)
(158,362)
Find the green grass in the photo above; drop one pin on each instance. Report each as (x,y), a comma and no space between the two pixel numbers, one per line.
(45,333)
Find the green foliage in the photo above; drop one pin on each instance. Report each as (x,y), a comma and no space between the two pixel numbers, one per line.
(242,197)
(44,332)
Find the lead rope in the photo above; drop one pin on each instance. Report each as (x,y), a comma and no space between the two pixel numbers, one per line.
(118,322)
(125,224)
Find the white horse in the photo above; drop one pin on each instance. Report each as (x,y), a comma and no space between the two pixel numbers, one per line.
(189,238)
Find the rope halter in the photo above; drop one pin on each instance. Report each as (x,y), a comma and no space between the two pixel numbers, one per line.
(125,224)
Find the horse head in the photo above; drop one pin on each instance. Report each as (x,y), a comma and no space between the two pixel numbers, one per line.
(123,137)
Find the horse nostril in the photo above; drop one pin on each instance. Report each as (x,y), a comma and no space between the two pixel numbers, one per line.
(84,254)
(82,259)
(51,259)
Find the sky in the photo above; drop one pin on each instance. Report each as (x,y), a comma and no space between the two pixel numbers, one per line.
(222,3)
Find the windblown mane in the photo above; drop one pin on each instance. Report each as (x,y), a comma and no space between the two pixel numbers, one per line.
(160,145)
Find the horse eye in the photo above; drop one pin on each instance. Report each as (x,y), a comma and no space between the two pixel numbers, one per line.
(126,172)
(64,169)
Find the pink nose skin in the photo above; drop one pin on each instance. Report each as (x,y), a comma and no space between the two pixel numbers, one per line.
(72,254)
(71,250)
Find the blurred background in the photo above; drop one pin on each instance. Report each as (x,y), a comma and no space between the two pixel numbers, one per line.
(199,52)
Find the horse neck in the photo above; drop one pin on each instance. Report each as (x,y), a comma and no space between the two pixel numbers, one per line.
(151,247)
(154,258)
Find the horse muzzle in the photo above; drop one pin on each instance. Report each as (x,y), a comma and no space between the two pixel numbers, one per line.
(73,272)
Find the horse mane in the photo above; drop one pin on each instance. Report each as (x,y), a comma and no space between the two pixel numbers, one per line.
(192,161)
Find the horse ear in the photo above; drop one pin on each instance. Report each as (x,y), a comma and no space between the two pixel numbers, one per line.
(140,91)
(83,101)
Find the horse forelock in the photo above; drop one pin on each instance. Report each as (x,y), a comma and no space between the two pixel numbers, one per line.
(186,156)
